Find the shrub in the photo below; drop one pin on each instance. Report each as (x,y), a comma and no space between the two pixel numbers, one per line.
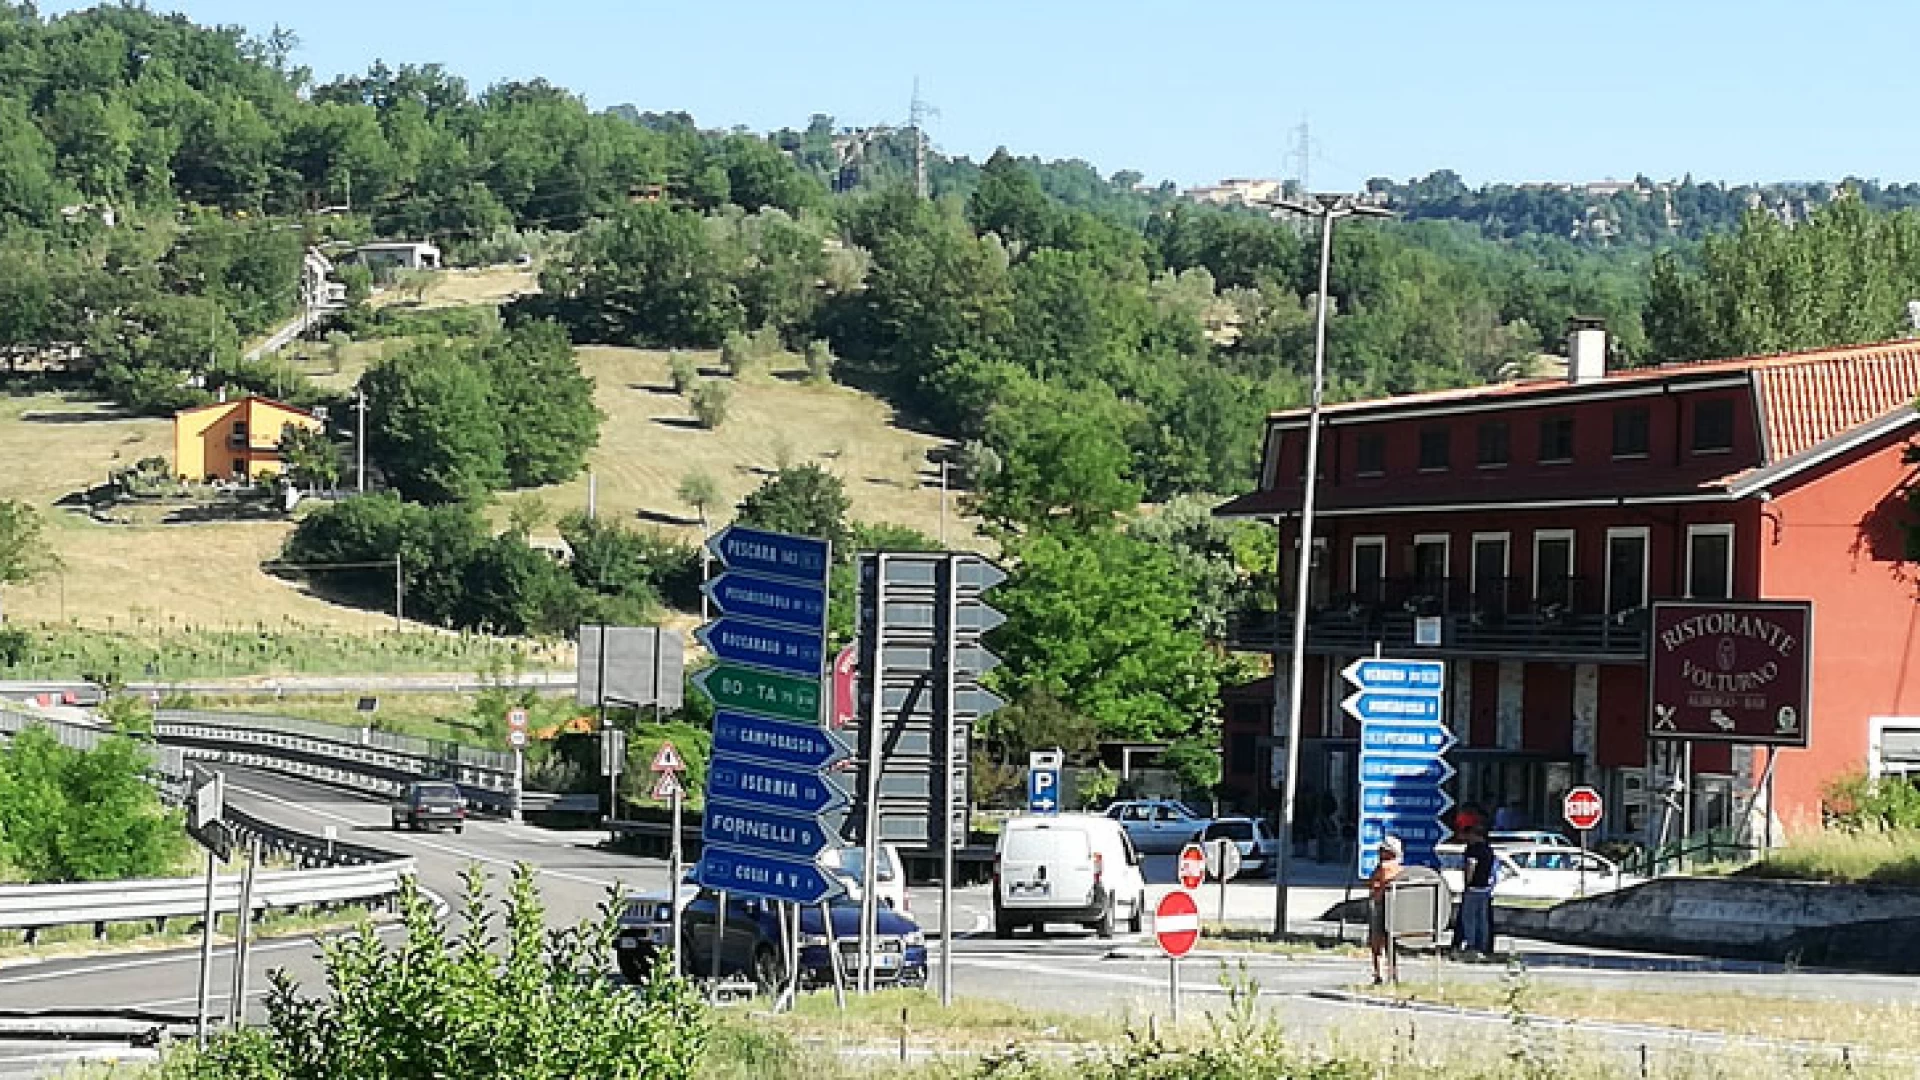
(820,362)
(709,403)
(682,370)
(84,815)
(1855,802)
(544,1010)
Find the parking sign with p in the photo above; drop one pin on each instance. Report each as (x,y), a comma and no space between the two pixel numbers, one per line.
(1043,781)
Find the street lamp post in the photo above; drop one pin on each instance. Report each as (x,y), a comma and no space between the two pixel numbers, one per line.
(1328,208)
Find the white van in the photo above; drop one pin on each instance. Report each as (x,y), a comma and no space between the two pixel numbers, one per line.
(1073,868)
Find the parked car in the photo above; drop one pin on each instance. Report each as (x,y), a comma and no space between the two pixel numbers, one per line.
(1259,849)
(431,804)
(891,882)
(751,944)
(1542,837)
(1157,826)
(1540,872)
(1073,868)
(646,924)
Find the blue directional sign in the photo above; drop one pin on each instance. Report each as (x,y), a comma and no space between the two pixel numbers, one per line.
(739,735)
(1043,791)
(755,828)
(769,600)
(1403,740)
(1374,673)
(751,782)
(796,558)
(797,652)
(1396,738)
(1404,772)
(1393,705)
(770,878)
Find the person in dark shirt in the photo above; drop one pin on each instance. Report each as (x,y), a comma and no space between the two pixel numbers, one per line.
(1476,904)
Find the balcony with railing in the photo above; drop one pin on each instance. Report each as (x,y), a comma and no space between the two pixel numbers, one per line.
(1502,619)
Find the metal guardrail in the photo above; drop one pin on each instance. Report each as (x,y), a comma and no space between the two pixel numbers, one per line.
(435,749)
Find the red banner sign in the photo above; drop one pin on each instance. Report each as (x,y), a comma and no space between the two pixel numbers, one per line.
(1730,671)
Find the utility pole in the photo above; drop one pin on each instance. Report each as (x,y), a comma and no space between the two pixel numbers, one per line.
(360,443)
(1301,157)
(399,595)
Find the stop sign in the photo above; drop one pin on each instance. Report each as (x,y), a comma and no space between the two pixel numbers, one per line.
(1176,923)
(1193,866)
(1582,808)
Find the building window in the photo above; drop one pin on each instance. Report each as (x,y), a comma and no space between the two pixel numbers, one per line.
(1435,449)
(1626,569)
(239,467)
(1493,445)
(1709,562)
(1490,575)
(1556,439)
(1713,426)
(1553,569)
(1630,432)
(238,436)
(1430,564)
(1369,568)
(1240,753)
(1370,455)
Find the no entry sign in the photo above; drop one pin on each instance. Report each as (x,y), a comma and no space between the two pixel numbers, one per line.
(1176,923)
(1193,866)
(1582,808)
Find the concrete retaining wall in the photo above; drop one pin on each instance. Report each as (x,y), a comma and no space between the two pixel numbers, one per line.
(1841,925)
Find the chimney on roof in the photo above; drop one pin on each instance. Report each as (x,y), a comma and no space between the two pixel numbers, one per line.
(1586,350)
(1913,314)
(223,395)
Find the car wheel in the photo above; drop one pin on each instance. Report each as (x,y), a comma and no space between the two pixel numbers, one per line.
(767,975)
(1137,921)
(1003,926)
(633,965)
(1104,927)
(458,829)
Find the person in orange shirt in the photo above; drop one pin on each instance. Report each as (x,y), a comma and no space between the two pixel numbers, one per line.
(1385,872)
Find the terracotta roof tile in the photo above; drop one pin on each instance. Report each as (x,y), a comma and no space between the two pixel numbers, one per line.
(1809,398)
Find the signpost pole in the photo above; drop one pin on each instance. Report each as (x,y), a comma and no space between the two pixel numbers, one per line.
(1173,985)
(242,946)
(1766,783)
(946,799)
(674,872)
(1583,862)
(519,779)
(1686,800)
(870,830)
(206,954)
(833,959)
(719,937)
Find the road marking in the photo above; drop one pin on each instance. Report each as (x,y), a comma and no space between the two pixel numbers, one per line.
(430,845)
(1029,968)
(180,956)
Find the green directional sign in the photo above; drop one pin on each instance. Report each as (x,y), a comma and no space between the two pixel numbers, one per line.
(762,693)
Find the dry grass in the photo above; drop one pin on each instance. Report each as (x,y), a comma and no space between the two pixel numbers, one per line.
(459,288)
(649,444)
(1884,1025)
(1882,857)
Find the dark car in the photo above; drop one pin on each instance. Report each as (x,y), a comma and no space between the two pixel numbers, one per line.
(431,804)
(752,945)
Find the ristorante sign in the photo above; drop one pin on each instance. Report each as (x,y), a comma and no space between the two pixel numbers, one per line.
(1730,671)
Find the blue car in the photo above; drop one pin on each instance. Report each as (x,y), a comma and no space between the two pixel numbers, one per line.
(752,945)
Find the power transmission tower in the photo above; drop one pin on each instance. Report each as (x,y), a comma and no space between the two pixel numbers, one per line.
(917,114)
(1300,157)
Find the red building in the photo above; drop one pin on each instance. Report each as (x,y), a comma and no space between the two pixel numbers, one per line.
(1534,522)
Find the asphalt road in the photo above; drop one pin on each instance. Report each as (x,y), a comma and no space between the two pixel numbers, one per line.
(1065,970)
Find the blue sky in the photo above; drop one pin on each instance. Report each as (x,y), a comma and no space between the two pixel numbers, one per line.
(1496,90)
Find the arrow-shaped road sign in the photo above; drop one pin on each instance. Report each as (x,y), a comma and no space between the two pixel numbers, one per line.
(751,783)
(1377,705)
(1417,798)
(777,741)
(1384,769)
(1397,738)
(1371,673)
(1422,829)
(796,558)
(762,693)
(797,604)
(753,829)
(797,652)
(762,876)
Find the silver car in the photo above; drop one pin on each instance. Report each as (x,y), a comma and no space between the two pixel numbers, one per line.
(1259,851)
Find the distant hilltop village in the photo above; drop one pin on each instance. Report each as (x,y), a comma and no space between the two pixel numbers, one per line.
(1591,209)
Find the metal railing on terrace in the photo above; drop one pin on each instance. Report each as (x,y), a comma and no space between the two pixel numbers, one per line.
(1567,618)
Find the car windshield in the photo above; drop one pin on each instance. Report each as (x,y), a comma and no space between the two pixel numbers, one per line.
(853,863)
(436,791)
(1230,830)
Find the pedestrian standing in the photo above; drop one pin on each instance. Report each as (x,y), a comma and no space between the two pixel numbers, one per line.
(1379,934)
(1476,903)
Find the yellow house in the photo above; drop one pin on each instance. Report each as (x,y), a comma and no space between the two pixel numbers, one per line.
(233,439)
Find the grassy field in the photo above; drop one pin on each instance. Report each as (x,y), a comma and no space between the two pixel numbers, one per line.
(1880,857)
(649,444)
